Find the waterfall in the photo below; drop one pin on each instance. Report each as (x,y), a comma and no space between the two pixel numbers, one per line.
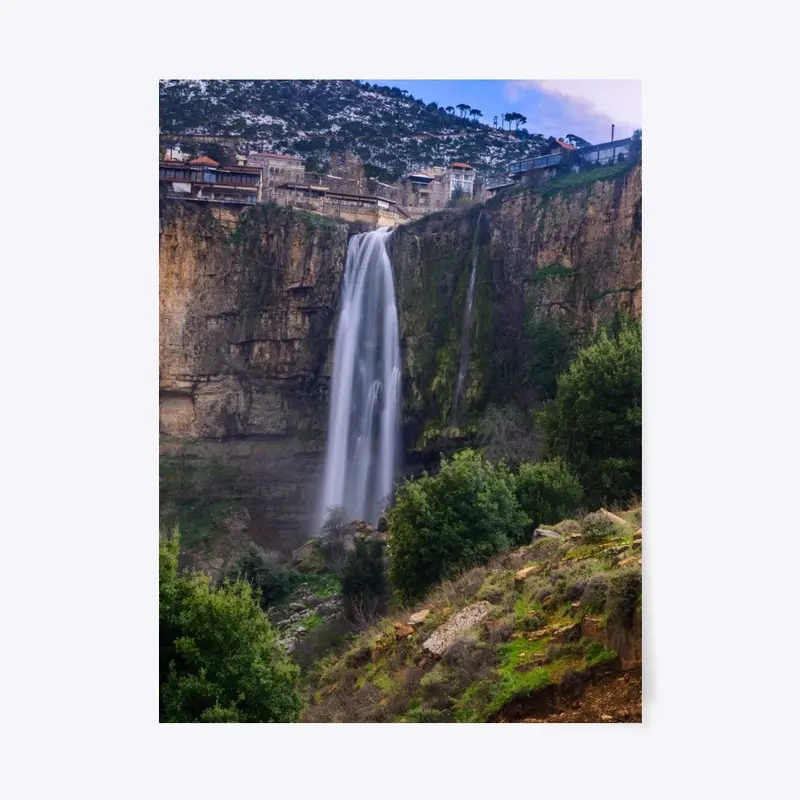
(464,361)
(365,395)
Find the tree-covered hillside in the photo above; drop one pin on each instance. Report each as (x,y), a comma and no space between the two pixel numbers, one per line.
(385,126)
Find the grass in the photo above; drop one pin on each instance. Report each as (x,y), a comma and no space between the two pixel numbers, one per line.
(324,585)
(593,550)
(312,622)
(586,177)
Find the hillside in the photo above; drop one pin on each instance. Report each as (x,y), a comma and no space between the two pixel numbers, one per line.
(391,132)
(550,632)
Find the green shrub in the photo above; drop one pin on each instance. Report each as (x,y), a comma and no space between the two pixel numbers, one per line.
(441,524)
(624,595)
(547,491)
(595,593)
(219,660)
(598,527)
(272,581)
(595,421)
(364,580)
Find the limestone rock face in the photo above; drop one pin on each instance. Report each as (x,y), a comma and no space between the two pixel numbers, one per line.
(466,619)
(545,533)
(246,308)
(568,257)
(247,303)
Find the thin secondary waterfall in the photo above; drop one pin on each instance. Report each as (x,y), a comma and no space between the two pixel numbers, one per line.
(465,334)
(365,396)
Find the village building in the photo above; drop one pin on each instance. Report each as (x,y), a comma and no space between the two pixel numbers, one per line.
(207,180)
(278,168)
(460,177)
(350,207)
(544,166)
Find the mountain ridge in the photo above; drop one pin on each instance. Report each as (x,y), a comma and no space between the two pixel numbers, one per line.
(392,132)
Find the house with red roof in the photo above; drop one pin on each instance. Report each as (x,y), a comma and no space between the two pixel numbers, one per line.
(205,179)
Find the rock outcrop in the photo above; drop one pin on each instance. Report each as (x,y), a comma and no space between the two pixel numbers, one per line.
(465,620)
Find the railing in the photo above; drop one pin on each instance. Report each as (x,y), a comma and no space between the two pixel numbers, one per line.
(244,200)
(494,181)
(222,179)
(534,163)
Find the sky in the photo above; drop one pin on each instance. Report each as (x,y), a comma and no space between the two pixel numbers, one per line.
(586,108)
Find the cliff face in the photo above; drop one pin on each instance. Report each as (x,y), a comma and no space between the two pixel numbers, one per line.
(248,303)
(246,311)
(551,265)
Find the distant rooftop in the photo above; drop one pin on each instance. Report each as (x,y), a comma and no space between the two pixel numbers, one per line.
(461,165)
(206,161)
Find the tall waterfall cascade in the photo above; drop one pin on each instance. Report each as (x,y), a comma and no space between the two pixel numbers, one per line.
(363,426)
(466,330)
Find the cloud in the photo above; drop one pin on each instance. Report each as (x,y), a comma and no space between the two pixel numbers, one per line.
(584,107)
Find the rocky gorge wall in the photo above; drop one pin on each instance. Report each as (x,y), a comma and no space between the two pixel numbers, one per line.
(246,309)
(248,303)
(552,264)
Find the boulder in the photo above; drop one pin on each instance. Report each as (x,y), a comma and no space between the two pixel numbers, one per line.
(309,558)
(544,533)
(630,560)
(383,523)
(637,537)
(613,517)
(418,617)
(465,620)
(527,571)
(401,631)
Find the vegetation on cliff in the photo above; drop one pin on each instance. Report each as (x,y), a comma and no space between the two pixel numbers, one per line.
(595,421)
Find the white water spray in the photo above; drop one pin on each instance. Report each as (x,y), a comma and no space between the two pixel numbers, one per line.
(465,334)
(365,396)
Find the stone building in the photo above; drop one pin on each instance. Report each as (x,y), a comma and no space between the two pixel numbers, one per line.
(278,168)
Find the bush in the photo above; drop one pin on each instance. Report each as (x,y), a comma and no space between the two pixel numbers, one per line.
(364,581)
(597,527)
(547,491)
(219,660)
(595,593)
(624,595)
(461,517)
(271,580)
(595,421)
